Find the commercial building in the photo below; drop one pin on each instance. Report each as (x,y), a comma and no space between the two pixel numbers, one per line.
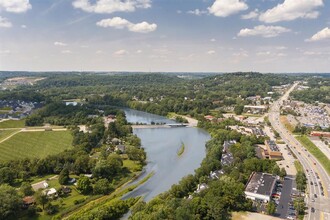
(320,134)
(272,151)
(260,186)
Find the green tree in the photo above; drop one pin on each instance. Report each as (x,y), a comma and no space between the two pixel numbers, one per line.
(10,201)
(299,205)
(7,175)
(282,172)
(271,208)
(102,186)
(64,176)
(26,189)
(84,184)
(239,109)
(41,198)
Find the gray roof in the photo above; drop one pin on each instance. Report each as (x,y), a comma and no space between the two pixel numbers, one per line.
(261,183)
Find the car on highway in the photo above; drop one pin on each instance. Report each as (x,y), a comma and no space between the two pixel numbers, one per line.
(315,195)
(312,210)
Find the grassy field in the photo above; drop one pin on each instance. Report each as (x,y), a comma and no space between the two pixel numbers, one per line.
(310,146)
(284,120)
(6,133)
(35,144)
(12,124)
(298,166)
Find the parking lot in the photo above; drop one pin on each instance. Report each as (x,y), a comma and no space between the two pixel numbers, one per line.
(283,199)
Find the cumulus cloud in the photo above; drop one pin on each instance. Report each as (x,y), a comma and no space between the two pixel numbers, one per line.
(264,31)
(60,44)
(23,26)
(5,23)
(292,9)
(211,52)
(111,6)
(15,6)
(251,15)
(321,35)
(120,23)
(224,8)
(197,12)
(120,53)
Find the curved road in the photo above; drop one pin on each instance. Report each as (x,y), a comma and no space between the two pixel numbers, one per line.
(315,173)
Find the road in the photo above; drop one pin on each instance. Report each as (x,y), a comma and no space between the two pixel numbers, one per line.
(315,174)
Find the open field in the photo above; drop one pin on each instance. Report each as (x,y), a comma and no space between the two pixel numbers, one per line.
(12,124)
(5,133)
(313,149)
(284,120)
(35,144)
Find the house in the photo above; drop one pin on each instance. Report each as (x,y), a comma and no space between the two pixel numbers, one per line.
(45,184)
(51,192)
(201,187)
(28,201)
(121,148)
(260,186)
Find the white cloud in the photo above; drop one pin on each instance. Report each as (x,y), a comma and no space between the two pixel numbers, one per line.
(213,40)
(5,23)
(139,51)
(111,6)
(66,51)
(321,35)
(271,54)
(120,53)
(224,8)
(211,52)
(292,9)
(6,52)
(60,44)
(196,12)
(15,6)
(120,23)
(264,31)
(251,15)
(23,26)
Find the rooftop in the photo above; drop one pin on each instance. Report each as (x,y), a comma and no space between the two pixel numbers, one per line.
(261,183)
(272,145)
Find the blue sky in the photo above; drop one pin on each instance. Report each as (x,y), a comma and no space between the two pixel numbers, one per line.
(165,35)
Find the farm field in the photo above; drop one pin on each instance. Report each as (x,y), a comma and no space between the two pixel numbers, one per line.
(5,133)
(35,144)
(12,124)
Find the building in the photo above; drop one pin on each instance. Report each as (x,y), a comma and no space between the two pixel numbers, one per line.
(255,109)
(272,151)
(320,134)
(260,186)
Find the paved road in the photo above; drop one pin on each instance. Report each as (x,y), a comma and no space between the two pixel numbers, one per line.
(308,162)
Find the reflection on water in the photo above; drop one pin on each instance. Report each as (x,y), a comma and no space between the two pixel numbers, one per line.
(162,145)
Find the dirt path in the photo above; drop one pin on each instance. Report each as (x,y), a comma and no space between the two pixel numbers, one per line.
(3,140)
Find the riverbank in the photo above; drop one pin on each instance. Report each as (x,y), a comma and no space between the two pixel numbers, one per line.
(192,122)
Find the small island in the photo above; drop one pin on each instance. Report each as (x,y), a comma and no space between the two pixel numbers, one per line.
(181,150)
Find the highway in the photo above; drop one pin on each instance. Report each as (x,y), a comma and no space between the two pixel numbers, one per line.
(315,173)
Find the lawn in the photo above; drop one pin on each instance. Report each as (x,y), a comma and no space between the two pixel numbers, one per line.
(35,144)
(12,124)
(6,133)
(313,149)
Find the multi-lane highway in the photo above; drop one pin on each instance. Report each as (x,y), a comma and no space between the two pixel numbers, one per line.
(318,201)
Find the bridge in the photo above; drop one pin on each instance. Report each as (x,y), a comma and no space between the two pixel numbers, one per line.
(161,126)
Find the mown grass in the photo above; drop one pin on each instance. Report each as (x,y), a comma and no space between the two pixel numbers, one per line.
(298,166)
(35,144)
(12,124)
(313,149)
(5,133)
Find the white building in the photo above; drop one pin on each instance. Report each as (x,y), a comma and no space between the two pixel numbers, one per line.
(260,186)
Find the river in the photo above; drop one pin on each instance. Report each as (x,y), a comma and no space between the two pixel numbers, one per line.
(161,146)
